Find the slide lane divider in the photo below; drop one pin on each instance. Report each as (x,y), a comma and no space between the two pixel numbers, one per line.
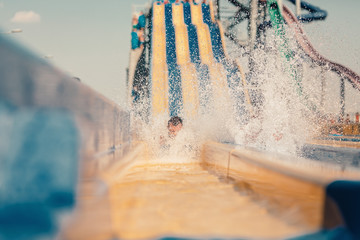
(174,74)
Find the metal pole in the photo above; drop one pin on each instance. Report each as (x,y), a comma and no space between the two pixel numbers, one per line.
(322,99)
(218,9)
(253,23)
(252,33)
(298,8)
(342,98)
(280,4)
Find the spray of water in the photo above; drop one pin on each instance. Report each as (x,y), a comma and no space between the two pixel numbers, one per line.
(285,113)
(281,121)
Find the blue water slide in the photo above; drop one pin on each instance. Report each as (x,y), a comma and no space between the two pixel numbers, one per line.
(202,70)
(175,91)
(206,13)
(192,35)
(232,72)
(174,74)
(170,36)
(216,42)
(218,49)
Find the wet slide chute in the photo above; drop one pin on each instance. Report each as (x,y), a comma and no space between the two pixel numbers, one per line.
(188,59)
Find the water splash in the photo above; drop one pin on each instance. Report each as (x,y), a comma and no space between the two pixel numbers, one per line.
(282,120)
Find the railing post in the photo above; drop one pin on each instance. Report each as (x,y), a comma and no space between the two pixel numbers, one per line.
(280,3)
(322,76)
(252,26)
(218,9)
(342,98)
(253,23)
(298,8)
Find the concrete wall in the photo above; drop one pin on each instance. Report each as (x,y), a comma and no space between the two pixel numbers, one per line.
(54,130)
(292,188)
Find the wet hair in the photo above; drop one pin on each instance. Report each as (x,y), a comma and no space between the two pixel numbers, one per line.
(175,120)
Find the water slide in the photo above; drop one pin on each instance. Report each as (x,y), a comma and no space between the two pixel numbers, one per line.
(308,48)
(195,60)
(148,197)
(278,20)
(63,153)
(304,43)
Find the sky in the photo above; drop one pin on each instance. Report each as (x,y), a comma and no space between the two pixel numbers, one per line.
(85,38)
(338,36)
(91,39)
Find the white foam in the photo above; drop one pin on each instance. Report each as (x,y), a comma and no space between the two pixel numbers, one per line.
(282,122)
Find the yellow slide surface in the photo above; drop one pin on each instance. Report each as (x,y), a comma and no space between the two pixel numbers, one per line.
(148,198)
(185,200)
(153,199)
(159,73)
